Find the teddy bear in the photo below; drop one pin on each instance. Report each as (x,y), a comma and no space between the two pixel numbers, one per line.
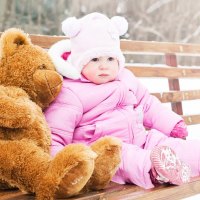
(28,84)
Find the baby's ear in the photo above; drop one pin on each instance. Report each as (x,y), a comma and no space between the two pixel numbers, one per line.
(12,40)
(71,27)
(120,23)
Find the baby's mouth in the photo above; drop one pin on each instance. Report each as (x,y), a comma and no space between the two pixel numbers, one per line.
(103,75)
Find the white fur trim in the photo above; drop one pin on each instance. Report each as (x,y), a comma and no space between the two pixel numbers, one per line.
(63,67)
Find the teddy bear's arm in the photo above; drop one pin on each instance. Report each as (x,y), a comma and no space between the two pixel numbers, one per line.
(16,109)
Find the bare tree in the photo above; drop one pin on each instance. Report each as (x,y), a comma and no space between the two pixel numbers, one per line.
(157,20)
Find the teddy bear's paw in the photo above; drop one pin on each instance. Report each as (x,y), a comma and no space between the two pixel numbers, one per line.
(107,162)
(69,171)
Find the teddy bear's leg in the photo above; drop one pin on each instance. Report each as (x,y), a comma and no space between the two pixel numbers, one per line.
(77,160)
(22,164)
(108,150)
(28,167)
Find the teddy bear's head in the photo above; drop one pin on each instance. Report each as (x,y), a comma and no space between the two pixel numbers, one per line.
(29,67)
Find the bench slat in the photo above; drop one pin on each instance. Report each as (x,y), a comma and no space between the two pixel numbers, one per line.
(166,72)
(131,46)
(177,96)
(118,192)
(46,41)
(147,47)
(192,119)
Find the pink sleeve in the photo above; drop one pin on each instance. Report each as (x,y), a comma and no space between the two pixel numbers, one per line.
(62,117)
(156,115)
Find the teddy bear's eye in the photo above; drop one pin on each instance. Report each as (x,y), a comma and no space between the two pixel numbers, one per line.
(42,67)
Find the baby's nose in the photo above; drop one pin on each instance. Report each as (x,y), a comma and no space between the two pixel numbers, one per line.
(103,65)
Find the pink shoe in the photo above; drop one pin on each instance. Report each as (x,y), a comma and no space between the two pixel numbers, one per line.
(167,168)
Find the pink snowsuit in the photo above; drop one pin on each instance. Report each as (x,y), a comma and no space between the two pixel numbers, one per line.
(83,112)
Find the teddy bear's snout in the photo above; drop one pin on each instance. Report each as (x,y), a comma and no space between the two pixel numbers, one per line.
(54,81)
(47,85)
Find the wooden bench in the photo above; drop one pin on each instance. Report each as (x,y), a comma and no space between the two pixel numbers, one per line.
(167,69)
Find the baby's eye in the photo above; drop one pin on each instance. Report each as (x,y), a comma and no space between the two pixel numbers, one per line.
(111,58)
(95,59)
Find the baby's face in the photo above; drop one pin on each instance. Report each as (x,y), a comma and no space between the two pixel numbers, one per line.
(101,70)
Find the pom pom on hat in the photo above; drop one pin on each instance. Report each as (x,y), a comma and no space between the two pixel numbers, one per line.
(120,23)
(71,27)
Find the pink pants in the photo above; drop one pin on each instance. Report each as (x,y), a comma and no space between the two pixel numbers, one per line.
(136,164)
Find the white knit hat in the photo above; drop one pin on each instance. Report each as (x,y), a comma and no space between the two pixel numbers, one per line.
(91,36)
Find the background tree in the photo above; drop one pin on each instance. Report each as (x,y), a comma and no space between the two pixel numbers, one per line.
(154,20)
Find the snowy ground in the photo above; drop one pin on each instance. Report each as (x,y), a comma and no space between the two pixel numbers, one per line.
(195,197)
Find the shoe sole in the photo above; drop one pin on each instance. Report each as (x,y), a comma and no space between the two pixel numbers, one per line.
(169,167)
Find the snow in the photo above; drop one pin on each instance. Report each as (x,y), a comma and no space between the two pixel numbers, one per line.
(194,197)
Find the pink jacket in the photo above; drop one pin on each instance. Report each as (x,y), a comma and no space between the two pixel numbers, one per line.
(84,112)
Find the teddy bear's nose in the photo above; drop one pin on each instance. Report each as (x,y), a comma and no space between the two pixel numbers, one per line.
(55,82)
(47,84)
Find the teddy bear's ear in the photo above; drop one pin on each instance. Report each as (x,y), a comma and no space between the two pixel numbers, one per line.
(11,40)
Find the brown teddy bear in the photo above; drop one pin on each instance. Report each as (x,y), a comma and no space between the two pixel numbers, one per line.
(28,84)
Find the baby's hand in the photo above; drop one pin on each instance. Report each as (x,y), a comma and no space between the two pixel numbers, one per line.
(180,130)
